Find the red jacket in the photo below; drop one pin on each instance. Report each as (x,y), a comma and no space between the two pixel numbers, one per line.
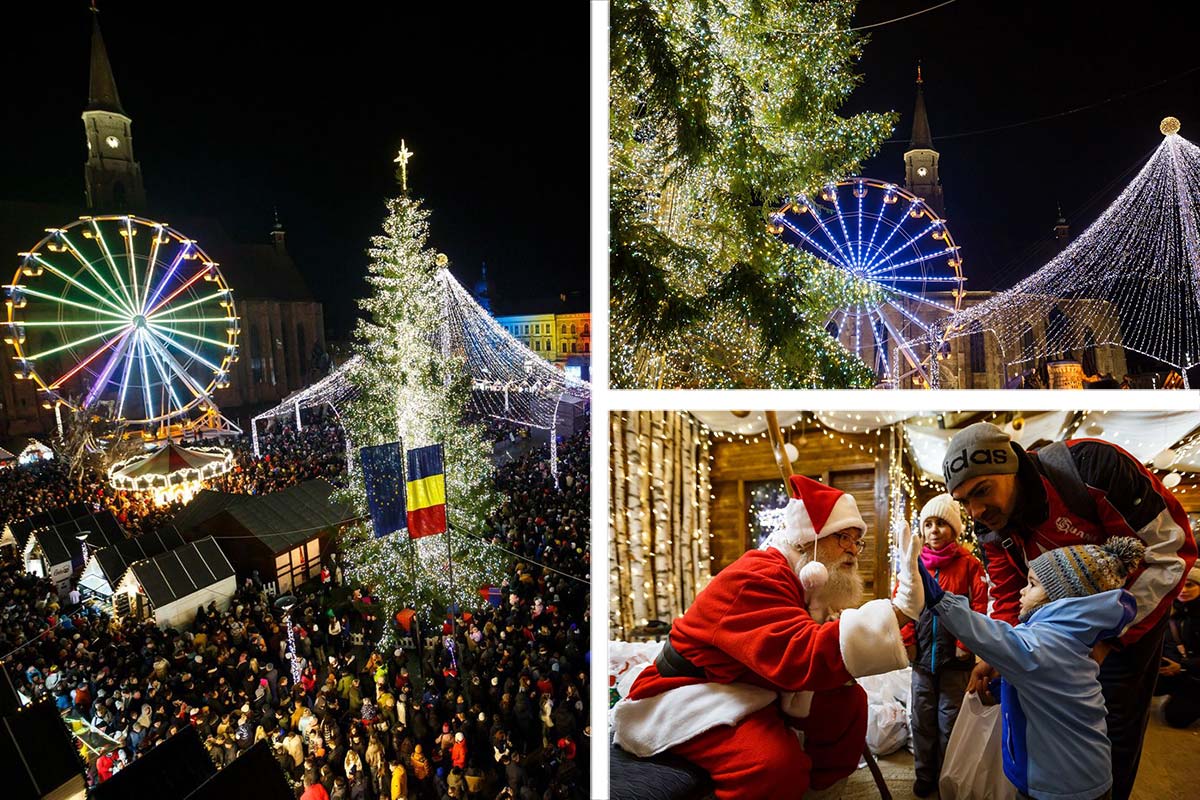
(1129,501)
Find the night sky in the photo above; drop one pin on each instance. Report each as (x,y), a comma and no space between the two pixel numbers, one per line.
(992,64)
(239,107)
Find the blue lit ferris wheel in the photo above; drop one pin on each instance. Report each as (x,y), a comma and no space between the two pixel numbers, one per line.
(124,318)
(903,272)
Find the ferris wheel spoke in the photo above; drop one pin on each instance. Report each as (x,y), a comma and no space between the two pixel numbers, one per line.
(76,342)
(912,240)
(106,372)
(114,295)
(130,264)
(112,264)
(157,313)
(147,395)
(166,379)
(841,260)
(75,370)
(166,279)
(834,259)
(917,279)
(64,301)
(160,327)
(896,228)
(928,257)
(129,359)
(875,231)
(192,385)
(185,349)
(837,207)
(82,286)
(155,241)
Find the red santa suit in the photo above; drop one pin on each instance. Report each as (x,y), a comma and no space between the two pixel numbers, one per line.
(769,669)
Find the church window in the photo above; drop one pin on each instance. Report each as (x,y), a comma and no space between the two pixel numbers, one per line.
(301,350)
(256,357)
(978,350)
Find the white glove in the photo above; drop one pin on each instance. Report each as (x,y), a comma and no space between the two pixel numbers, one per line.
(910,593)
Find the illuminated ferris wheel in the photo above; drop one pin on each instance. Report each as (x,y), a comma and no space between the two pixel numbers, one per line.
(903,268)
(122,317)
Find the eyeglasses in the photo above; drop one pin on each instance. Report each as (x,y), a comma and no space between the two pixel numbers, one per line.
(848,542)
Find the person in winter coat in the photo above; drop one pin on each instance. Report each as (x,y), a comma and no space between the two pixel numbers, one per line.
(941,665)
(313,790)
(1081,491)
(420,764)
(458,753)
(1179,675)
(399,781)
(1055,739)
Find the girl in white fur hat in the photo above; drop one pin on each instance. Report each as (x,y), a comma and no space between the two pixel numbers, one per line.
(941,664)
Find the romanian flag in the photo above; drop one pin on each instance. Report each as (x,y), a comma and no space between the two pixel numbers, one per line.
(426,492)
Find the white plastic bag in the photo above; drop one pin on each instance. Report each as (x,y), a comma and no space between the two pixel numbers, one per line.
(973,768)
(887,727)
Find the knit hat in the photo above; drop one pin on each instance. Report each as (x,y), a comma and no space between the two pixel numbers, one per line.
(979,449)
(813,512)
(944,507)
(1087,569)
(1193,574)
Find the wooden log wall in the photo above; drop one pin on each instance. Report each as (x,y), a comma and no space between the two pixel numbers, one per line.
(836,461)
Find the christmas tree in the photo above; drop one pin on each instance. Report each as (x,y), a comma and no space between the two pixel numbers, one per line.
(718,112)
(411,388)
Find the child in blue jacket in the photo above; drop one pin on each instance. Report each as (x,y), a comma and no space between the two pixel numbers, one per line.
(1055,739)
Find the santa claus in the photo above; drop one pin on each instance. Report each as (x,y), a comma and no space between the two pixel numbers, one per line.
(756,682)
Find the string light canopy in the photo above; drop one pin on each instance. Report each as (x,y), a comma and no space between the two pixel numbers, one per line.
(509,382)
(1132,279)
(171,473)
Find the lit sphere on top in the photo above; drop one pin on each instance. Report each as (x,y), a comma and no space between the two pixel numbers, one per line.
(1168,126)
(442,260)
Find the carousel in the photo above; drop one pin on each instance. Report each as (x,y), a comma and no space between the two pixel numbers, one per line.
(171,473)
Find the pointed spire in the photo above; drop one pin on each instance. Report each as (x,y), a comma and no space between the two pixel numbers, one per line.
(278,224)
(102,88)
(921,138)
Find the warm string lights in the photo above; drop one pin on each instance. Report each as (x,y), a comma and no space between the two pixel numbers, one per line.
(712,124)
(124,317)
(1129,280)
(171,473)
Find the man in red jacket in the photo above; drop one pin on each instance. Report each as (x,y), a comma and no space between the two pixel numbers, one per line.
(758,657)
(1084,491)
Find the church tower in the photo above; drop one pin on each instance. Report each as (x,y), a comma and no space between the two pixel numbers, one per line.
(921,160)
(114,179)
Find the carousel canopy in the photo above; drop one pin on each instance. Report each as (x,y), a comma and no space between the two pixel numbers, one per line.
(170,465)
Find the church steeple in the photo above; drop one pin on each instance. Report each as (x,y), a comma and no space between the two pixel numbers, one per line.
(102,89)
(921,160)
(921,138)
(113,177)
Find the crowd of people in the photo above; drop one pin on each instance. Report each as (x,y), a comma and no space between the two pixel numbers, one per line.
(491,704)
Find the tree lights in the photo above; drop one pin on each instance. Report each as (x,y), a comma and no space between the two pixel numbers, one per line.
(410,385)
(718,113)
(124,317)
(1131,279)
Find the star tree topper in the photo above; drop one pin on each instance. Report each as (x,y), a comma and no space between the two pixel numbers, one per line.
(402,158)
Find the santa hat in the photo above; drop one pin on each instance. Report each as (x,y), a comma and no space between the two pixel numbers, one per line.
(817,510)
(813,512)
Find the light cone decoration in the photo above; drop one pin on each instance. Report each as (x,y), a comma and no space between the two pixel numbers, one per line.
(1132,279)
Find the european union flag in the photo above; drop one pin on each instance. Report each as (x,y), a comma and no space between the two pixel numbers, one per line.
(383,474)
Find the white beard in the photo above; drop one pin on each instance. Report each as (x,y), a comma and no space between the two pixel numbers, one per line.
(843,589)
